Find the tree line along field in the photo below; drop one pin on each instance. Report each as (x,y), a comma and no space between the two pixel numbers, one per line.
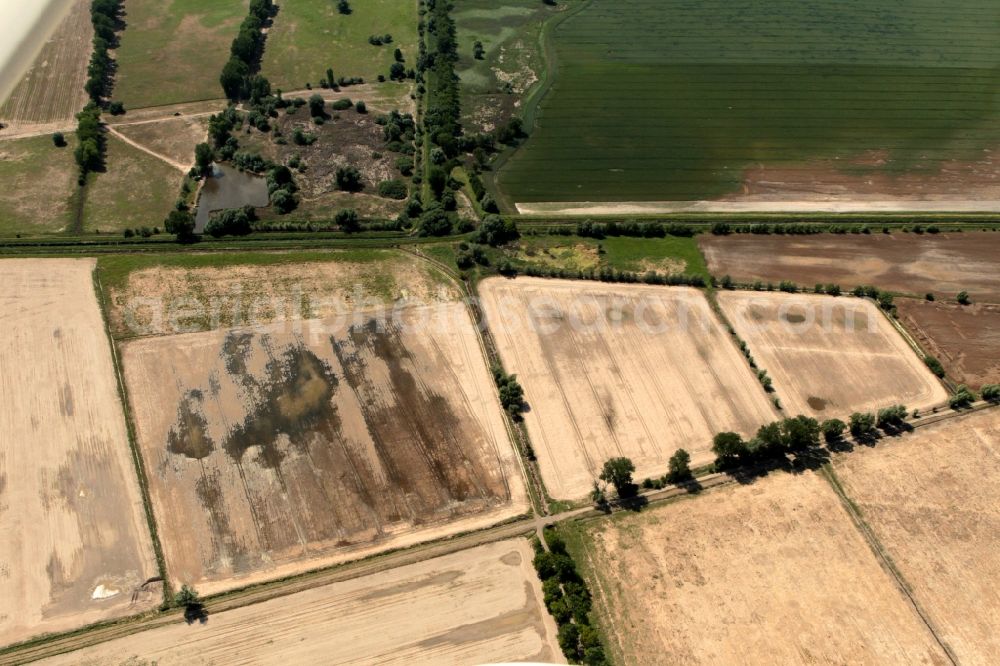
(308,36)
(679,101)
(52,92)
(477,606)
(307,436)
(770,572)
(74,542)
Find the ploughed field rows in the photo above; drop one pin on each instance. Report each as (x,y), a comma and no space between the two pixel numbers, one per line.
(779,101)
(964,338)
(276,449)
(477,606)
(829,356)
(932,500)
(619,371)
(772,572)
(942,264)
(52,90)
(74,542)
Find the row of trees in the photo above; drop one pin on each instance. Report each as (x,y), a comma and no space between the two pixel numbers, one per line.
(239,76)
(105,16)
(569,601)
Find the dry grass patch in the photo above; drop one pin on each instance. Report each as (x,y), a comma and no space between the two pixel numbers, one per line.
(39,181)
(830,356)
(616,370)
(773,572)
(477,606)
(74,544)
(933,499)
(174,138)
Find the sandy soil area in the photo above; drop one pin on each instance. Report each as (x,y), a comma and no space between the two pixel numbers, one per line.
(619,370)
(279,449)
(852,203)
(965,338)
(478,606)
(50,92)
(933,499)
(74,544)
(944,263)
(830,356)
(770,573)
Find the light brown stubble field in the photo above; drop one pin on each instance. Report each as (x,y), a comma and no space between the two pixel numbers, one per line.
(774,572)
(627,388)
(477,606)
(278,448)
(933,500)
(830,356)
(51,92)
(71,517)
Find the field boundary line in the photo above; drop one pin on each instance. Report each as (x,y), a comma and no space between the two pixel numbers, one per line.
(882,555)
(140,468)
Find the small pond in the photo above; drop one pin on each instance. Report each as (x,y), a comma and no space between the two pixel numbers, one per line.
(229,188)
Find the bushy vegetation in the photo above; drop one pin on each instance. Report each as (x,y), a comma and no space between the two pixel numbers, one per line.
(590,229)
(772,441)
(231,222)
(962,398)
(569,601)
(91,144)
(511,392)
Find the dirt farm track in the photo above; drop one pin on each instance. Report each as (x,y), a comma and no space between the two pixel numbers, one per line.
(74,543)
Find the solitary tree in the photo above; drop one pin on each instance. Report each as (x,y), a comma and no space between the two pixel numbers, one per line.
(862,425)
(728,447)
(343,7)
(618,472)
(478,51)
(680,466)
(181,224)
(349,179)
(833,430)
(963,298)
(317,106)
(59,140)
(203,157)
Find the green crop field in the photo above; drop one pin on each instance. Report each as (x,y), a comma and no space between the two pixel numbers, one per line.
(309,36)
(174,51)
(676,99)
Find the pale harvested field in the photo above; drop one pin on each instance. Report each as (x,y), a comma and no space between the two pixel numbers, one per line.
(52,90)
(477,606)
(72,527)
(830,356)
(281,448)
(769,573)
(662,374)
(933,499)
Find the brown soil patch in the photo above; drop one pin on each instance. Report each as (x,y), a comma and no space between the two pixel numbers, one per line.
(906,263)
(619,370)
(831,356)
(278,449)
(965,338)
(74,544)
(933,500)
(774,572)
(479,606)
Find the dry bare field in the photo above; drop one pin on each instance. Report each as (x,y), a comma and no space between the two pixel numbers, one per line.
(278,448)
(619,370)
(174,138)
(52,92)
(965,338)
(945,263)
(39,182)
(830,356)
(769,573)
(74,544)
(933,500)
(477,606)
